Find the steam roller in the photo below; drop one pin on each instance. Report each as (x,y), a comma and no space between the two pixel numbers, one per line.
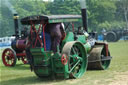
(99,57)
(76,52)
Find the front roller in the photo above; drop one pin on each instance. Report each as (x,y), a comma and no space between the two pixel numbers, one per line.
(77,58)
(99,58)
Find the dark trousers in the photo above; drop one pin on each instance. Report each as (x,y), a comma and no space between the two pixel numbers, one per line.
(56,36)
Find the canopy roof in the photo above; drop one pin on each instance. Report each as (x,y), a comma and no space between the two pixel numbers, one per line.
(50,19)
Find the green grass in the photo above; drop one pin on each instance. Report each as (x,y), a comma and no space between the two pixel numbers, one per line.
(21,74)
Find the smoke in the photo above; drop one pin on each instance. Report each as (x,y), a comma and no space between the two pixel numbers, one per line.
(10,6)
(0,3)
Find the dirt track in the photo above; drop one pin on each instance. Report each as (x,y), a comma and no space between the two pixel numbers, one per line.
(120,79)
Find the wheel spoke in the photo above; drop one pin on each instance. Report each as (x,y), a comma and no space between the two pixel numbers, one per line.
(77,69)
(78,52)
(74,52)
(76,49)
(74,66)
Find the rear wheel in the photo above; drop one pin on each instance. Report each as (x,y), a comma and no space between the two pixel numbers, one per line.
(9,57)
(111,37)
(77,58)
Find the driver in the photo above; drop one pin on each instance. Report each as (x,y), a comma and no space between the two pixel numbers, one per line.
(57,32)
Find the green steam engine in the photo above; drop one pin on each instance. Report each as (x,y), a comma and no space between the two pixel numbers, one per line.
(76,53)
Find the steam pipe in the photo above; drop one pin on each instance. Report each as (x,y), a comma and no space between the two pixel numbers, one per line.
(16,17)
(84,14)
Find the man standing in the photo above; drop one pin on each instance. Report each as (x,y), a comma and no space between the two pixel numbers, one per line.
(56,31)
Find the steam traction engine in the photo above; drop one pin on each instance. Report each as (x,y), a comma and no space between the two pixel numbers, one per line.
(76,53)
(10,55)
(115,35)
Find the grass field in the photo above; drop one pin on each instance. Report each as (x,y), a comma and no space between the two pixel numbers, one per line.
(117,74)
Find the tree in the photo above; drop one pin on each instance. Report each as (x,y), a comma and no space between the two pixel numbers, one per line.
(24,8)
(6,20)
(29,7)
(124,6)
(64,7)
(100,12)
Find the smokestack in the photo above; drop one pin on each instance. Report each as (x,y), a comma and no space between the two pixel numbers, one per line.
(84,14)
(16,17)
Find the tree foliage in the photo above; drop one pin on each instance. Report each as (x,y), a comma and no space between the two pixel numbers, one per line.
(101,14)
(64,7)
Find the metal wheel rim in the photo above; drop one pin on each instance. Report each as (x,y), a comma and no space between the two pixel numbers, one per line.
(105,63)
(8,57)
(78,71)
(81,69)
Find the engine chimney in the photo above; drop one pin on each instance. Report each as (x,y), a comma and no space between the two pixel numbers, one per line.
(84,14)
(16,17)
